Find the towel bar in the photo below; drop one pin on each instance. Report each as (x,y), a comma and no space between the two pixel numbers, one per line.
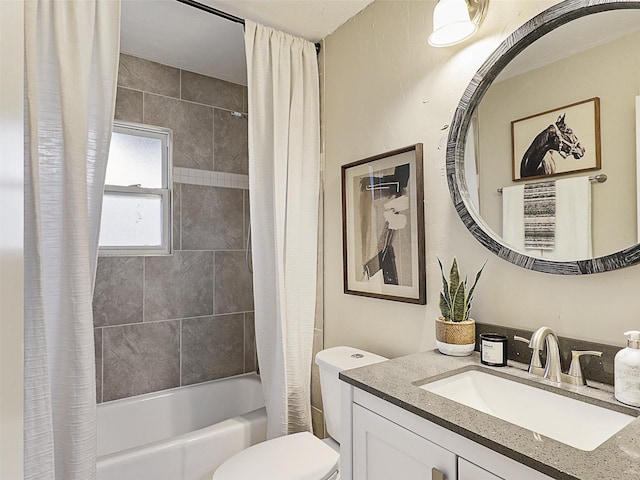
(601,178)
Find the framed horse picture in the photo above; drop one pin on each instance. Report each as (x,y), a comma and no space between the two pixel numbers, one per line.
(383,226)
(556,142)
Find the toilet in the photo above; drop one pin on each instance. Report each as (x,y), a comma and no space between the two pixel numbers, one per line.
(302,456)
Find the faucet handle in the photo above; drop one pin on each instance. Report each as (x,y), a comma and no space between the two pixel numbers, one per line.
(575,375)
(536,364)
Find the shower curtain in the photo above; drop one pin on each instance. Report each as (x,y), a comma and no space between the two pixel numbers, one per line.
(284,166)
(71,60)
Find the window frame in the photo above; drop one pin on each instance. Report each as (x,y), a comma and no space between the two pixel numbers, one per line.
(165,193)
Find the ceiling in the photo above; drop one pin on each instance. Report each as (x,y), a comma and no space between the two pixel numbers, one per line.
(572,38)
(182,36)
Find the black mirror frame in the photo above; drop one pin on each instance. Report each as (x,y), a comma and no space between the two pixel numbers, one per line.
(524,36)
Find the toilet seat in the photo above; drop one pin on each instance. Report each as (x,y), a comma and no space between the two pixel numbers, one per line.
(299,456)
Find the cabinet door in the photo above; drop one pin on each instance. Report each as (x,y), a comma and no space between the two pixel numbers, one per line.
(383,450)
(469,471)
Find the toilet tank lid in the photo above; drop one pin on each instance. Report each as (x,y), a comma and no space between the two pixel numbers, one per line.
(337,359)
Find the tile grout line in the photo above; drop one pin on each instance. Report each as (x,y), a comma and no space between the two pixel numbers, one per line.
(165,320)
(227,250)
(102,365)
(213,282)
(144,286)
(213,140)
(192,102)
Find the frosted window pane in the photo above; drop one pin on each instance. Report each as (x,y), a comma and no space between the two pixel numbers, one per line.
(131,220)
(135,160)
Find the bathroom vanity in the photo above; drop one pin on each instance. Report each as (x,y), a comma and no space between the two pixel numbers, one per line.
(394,427)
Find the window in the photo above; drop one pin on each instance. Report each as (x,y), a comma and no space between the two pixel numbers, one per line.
(136,209)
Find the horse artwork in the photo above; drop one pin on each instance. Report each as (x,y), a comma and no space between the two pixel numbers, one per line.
(538,160)
(559,141)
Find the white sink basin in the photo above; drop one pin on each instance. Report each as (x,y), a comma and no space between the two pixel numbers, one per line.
(572,422)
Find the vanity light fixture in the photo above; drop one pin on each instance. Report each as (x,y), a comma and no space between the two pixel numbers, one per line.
(454,21)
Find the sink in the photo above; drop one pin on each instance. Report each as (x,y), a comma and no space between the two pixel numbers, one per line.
(573,422)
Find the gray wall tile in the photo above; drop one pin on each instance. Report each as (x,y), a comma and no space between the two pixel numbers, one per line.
(178,286)
(141,358)
(318,333)
(317,423)
(140,74)
(117,297)
(245,100)
(316,394)
(233,283)
(192,127)
(212,218)
(319,314)
(97,344)
(249,342)
(212,347)
(211,91)
(177,205)
(128,105)
(230,149)
(247,220)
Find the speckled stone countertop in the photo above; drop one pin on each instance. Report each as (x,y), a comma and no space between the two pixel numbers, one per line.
(397,381)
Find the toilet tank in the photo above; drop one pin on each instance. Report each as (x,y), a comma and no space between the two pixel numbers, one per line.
(331,362)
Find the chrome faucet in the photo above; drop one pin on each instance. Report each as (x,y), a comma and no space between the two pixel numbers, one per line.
(545,337)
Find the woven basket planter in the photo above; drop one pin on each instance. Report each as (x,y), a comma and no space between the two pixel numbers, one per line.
(455,338)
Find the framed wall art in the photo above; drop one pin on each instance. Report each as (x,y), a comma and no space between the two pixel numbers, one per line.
(383,226)
(555,142)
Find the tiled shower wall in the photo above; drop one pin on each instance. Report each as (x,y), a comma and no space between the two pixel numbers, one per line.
(168,321)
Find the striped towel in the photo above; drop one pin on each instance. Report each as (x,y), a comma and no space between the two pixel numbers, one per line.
(540,215)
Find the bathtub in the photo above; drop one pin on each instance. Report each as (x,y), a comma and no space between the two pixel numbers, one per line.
(180,434)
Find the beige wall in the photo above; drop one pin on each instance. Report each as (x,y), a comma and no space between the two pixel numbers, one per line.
(616,81)
(11,245)
(386,88)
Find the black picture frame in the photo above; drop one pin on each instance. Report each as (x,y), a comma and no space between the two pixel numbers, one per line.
(557,142)
(383,226)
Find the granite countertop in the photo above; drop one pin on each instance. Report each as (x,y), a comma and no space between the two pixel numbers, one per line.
(397,381)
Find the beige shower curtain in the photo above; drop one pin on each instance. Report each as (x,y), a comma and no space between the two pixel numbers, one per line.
(71,59)
(284,172)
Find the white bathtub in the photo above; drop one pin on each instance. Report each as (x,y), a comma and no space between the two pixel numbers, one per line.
(180,434)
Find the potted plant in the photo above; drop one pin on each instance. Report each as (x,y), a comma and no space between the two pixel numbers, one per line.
(455,330)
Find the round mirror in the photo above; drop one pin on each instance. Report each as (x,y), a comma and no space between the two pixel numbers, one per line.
(543,147)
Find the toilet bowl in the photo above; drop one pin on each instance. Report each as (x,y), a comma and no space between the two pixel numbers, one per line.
(302,456)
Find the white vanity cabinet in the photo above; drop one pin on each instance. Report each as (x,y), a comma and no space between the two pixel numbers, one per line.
(469,471)
(381,441)
(383,450)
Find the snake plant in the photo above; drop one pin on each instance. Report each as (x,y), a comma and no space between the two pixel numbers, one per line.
(455,300)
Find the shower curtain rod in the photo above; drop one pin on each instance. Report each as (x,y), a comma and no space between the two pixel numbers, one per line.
(220,13)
